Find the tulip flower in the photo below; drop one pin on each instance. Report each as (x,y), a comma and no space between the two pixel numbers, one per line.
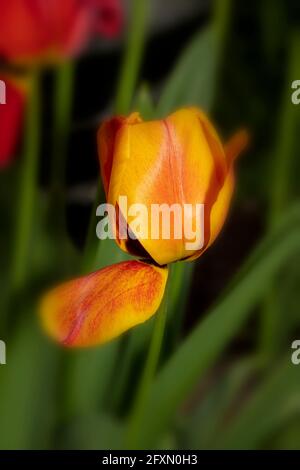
(43,30)
(11,115)
(177,160)
(173,161)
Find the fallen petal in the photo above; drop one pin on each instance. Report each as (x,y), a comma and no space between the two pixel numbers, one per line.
(95,308)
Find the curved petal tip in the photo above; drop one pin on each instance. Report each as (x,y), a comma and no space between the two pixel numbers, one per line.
(236,145)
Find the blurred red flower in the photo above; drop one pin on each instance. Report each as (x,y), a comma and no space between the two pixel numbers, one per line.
(39,29)
(11,115)
(108,17)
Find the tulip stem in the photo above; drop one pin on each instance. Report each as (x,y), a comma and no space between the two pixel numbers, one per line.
(63,93)
(124,96)
(133,56)
(283,159)
(221,23)
(92,242)
(28,188)
(141,399)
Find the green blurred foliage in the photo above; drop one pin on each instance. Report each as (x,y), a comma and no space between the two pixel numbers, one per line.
(206,393)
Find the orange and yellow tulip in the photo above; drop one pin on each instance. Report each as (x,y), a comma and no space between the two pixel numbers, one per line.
(177,160)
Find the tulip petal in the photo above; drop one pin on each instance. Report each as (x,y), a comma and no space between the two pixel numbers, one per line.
(45,31)
(21,31)
(220,208)
(216,146)
(11,115)
(217,214)
(219,211)
(236,145)
(67,24)
(95,308)
(107,143)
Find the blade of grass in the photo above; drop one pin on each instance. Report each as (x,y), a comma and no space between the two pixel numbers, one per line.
(265,410)
(130,353)
(92,242)
(133,56)
(86,378)
(180,284)
(63,94)
(193,80)
(63,252)
(204,422)
(144,103)
(182,87)
(282,165)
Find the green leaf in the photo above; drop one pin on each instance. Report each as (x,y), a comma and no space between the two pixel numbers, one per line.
(265,410)
(281,169)
(27,390)
(287,437)
(88,373)
(181,275)
(133,350)
(204,345)
(92,432)
(203,424)
(193,80)
(144,103)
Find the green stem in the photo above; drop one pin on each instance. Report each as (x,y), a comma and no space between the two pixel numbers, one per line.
(283,158)
(180,285)
(140,402)
(282,164)
(124,96)
(92,243)
(133,56)
(63,94)
(28,188)
(221,21)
